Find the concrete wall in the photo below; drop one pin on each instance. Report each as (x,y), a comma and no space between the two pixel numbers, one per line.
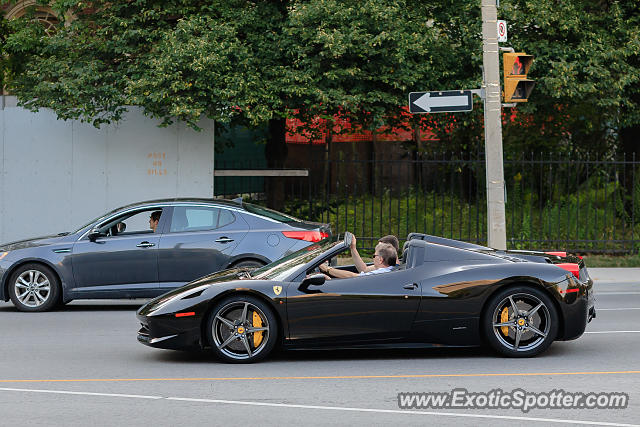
(57,175)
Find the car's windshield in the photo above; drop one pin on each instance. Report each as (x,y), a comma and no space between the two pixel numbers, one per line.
(260,210)
(282,268)
(96,220)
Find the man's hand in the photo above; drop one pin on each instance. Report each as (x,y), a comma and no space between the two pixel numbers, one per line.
(357,260)
(353,243)
(324,267)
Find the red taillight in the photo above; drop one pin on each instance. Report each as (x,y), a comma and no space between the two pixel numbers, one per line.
(570,291)
(560,254)
(189,313)
(573,268)
(308,236)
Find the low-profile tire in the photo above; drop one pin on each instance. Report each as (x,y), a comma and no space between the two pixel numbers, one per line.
(527,327)
(251,263)
(242,329)
(34,287)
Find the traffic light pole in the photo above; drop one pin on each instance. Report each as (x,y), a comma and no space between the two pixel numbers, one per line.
(496,222)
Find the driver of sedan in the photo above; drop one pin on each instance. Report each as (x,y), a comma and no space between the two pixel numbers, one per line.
(384,260)
(154,219)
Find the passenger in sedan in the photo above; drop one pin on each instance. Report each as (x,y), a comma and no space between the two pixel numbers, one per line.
(384,260)
(154,219)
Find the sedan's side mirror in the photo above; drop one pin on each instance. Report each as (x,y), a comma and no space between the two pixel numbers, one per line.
(313,280)
(94,234)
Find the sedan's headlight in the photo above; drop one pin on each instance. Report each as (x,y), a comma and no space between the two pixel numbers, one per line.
(3,254)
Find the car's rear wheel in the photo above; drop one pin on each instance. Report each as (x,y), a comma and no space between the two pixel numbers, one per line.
(242,329)
(520,322)
(34,287)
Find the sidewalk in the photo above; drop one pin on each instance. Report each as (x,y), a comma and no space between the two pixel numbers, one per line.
(615,275)
(609,276)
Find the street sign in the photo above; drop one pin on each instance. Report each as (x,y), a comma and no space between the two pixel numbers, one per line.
(502,31)
(448,101)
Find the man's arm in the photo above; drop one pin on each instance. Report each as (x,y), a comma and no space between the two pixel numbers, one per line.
(334,272)
(357,260)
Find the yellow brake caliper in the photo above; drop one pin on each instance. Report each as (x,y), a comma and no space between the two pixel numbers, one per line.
(257,323)
(504,317)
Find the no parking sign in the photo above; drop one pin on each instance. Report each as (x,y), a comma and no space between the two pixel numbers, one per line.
(502,31)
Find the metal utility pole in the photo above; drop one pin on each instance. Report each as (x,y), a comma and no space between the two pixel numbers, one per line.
(496,223)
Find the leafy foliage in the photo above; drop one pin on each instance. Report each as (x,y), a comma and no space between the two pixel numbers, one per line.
(249,62)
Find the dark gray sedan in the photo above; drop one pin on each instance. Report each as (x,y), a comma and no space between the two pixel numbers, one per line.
(145,249)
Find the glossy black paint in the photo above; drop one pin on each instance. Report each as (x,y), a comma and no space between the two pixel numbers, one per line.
(436,297)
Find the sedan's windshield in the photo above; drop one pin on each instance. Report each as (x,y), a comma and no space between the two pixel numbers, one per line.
(94,220)
(282,268)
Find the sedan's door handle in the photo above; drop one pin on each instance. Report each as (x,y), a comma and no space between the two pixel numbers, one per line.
(411,286)
(145,244)
(224,240)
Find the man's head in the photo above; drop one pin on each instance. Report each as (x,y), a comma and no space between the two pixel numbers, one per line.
(391,240)
(154,219)
(385,255)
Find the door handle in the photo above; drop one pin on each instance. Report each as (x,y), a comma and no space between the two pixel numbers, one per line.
(224,240)
(145,244)
(411,286)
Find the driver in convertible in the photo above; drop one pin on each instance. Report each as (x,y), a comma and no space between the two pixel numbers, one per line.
(357,260)
(384,260)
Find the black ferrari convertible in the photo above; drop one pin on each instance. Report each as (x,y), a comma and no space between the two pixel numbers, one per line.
(443,292)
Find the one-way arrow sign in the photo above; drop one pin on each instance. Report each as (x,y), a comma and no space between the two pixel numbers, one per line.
(440,102)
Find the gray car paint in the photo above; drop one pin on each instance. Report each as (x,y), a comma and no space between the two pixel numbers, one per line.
(114,267)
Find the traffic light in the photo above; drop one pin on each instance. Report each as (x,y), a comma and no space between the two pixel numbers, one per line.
(517,87)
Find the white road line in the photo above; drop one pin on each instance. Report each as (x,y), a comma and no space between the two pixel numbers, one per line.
(333,408)
(613,332)
(83,393)
(616,309)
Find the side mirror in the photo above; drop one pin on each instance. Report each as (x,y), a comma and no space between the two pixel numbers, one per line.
(94,234)
(313,280)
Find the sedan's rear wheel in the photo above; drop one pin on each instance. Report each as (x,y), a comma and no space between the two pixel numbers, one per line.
(520,322)
(34,287)
(242,329)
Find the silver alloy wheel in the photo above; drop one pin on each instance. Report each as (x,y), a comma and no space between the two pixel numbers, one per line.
(234,332)
(528,323)
(32,288)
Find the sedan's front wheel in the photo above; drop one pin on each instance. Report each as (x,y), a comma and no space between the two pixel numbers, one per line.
(520,322)
(34,287)
(242,329)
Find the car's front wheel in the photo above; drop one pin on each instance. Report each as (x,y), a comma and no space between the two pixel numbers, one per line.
(520,322)
(242,329)
(34,287)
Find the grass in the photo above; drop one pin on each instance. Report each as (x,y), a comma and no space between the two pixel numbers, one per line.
(612,261)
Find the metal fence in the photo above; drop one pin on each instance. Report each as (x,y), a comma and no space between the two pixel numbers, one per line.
(556,202)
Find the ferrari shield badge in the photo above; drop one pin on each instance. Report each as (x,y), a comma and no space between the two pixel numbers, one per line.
(277,289)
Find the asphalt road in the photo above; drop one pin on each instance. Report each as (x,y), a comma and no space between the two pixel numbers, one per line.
(83,366)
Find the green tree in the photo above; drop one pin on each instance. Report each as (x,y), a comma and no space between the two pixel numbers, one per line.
(238,62)
(586,69)
(257,63)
